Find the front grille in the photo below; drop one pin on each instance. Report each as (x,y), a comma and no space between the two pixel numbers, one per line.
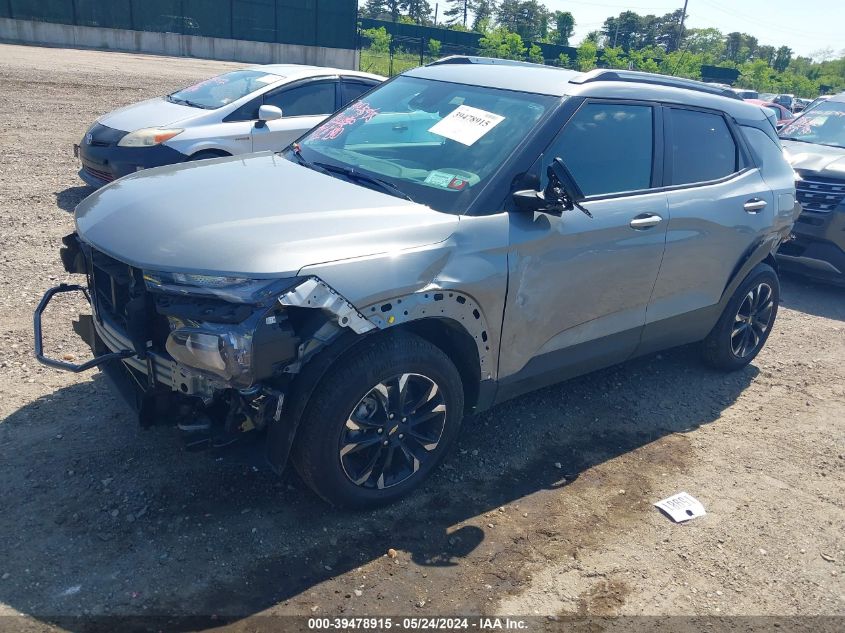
(120,297)
(104,136)
(114,285)
(820,195)
(98,173)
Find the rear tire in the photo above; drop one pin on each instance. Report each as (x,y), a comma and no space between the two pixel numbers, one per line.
(746,322)
(379,422)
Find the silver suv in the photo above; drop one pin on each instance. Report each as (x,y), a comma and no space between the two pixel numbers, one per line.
(466,232)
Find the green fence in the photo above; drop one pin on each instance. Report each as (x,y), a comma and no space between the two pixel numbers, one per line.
(329,23)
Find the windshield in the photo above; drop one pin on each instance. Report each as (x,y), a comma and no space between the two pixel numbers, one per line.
(437,143)
(224,89)
(824,125)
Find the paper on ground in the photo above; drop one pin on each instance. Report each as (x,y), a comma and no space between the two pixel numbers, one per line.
(466,124)
(681,507)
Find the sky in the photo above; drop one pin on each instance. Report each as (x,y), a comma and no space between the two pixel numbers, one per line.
(806,26)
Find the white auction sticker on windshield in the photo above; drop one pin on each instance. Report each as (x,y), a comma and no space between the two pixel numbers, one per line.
(466,124)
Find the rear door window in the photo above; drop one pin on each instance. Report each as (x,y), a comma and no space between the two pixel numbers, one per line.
(701,147)
(608,147)
(351,90)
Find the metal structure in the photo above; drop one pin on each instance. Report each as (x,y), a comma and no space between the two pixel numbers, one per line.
(328,23)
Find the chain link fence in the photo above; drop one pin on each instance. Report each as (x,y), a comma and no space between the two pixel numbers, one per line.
(389,48)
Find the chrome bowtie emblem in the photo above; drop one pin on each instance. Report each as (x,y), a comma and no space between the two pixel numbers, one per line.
(88,138)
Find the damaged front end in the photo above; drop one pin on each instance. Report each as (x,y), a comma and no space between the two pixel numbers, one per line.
(213,355)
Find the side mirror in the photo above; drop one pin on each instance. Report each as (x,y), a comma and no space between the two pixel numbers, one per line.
(564,177)
(561,193)
(269,113)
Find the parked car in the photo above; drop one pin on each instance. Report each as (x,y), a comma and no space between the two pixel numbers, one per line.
(745,93)
(242,111)
(785,100)
(461,235)
(799,104)
(817,101)
(779,113)
(814,144)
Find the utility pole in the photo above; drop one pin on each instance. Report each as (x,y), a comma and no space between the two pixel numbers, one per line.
(681,26)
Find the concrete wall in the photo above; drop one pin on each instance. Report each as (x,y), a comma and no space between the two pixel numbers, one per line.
(30,32)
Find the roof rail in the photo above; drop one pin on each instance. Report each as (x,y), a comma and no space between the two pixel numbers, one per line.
(491,61)
(600,74)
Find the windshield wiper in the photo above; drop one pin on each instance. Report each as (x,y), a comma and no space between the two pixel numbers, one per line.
(792,138)
(296,150)
(350,173)
(193,104)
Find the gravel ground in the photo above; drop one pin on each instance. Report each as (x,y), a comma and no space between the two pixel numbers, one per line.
(544,508)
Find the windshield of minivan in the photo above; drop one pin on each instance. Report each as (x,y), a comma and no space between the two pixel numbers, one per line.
(434,142)
(224,89)
(823,125)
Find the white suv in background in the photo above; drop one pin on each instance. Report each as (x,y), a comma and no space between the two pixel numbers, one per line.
(247,110)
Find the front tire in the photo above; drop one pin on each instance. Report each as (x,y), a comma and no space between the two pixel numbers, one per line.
(746,323)
(379,422)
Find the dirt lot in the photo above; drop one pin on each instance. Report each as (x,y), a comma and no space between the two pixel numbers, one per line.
(545,508)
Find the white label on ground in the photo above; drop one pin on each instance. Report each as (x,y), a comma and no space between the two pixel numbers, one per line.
(681,507)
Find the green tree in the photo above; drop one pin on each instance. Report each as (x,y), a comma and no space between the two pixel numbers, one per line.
(614,58)
(707,42)
(382,10)
(502,43)
(733,45)
(434,47)
(379,40)
(483,12)
(528,18)
(587,55)
(783,56)
(418,10)
(457,11)
(564,25)
(766,53)
(667,29)
(535,54)
(757,74)
(625,30)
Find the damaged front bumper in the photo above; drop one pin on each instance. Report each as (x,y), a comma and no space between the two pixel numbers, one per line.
(213,364)
(83,328)
(160,390)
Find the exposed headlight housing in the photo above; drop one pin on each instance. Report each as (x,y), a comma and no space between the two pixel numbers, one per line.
(216,352)
(148,136)
(227,288)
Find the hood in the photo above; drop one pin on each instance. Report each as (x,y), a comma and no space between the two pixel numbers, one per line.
(254,216)
(822,160)
(156,112)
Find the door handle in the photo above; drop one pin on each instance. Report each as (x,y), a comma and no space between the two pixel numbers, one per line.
(755,205)
(399,127)
(645,221)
